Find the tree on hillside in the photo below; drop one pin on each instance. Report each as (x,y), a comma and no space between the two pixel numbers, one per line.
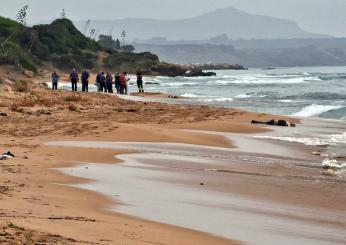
(127,48)
(123,36)
(63,14)
(21,16)
(106,42)
(21,19)
(87,24)
(92,33)
(117,44)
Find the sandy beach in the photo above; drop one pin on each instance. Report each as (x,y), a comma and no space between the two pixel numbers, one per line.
(47,195)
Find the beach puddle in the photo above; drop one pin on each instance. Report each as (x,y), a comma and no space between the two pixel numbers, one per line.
(192,186)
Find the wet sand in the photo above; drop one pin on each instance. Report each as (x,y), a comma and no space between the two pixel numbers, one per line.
(274,194)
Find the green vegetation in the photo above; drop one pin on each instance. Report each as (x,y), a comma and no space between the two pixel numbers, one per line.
(108,43)
(63,45)
(131,62)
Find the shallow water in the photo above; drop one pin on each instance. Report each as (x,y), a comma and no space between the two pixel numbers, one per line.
(162,184)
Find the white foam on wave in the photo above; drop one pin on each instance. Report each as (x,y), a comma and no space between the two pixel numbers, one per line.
(314,110)
(259,80)
(286,101)
(243,96)
(179,84)
(321,140)
(333,164)
(250,95)
(334,167)
(219,100)
(190,95)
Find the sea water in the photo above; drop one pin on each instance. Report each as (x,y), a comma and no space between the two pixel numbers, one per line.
(303,92)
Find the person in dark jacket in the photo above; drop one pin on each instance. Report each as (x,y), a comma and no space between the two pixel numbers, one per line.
(85,81)
(102,80)
(109,83)
(55,80)
(140,82)
(117,82)
(74,79)
(97,81)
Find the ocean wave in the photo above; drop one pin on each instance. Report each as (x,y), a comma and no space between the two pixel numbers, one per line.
(243,96)
(318,96)
(254,80)
(341,76)
(219,100)
(333,164)
(286,101)
(179,84)
(334,167)
(190,95)
(321,140)
(315,110)
(254,95)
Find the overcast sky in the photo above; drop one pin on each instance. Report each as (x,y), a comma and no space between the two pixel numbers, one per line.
(320,16)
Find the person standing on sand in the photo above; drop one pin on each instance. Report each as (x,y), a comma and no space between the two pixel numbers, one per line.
(140,82)
(124,79)
(102,79)
(109,83)
(55,80)
(74,79)
(117,82)
(97,82)
(85,81)
(127,79)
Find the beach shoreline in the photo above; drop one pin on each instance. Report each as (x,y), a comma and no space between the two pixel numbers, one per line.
(46,206)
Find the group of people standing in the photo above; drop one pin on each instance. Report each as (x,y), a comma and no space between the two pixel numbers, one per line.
(104,82)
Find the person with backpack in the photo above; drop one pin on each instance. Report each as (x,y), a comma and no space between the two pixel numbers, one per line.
(117,82)
(74,79)
(140,82)
(109,83)
(85,81)
(55,80)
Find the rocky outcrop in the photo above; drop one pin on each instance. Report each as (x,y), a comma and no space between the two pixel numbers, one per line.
(199,73)
(165,69)
(218,67)
(28,74)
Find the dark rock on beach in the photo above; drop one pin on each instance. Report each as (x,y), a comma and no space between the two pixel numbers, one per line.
(199,73)
(170,70)
(219,67)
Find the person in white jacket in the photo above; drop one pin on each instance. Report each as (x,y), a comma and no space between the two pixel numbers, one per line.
(127,77)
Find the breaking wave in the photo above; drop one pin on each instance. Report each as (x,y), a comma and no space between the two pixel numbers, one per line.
(315,110)
(322,140)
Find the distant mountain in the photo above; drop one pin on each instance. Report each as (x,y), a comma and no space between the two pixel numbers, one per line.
(284,53)
(234,23)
